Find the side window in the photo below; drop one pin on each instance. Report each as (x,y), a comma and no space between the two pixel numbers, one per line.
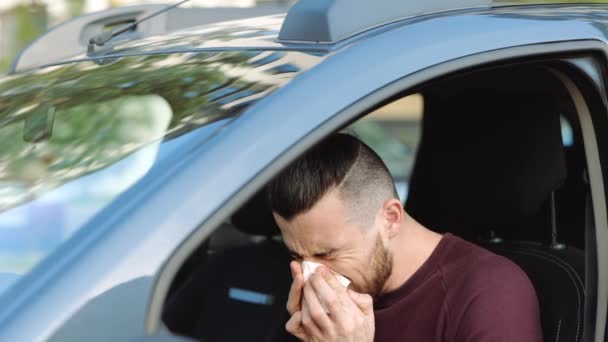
(483,147)
(393,131)
(247,259)
(567,132)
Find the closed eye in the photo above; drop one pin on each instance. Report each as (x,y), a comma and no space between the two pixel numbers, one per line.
(295,257)
(326,255)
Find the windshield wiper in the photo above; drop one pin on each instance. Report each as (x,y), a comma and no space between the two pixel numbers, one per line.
(102,38)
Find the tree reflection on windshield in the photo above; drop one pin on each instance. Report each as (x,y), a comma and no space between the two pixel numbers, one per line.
(76,136)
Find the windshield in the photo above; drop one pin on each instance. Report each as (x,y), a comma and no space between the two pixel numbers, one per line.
(75,137)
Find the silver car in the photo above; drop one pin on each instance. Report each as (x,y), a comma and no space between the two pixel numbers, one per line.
(137,144)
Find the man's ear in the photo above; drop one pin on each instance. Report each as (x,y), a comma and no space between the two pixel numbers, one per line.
(279,220)
(393,215)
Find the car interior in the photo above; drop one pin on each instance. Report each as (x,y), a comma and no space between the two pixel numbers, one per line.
(494,155)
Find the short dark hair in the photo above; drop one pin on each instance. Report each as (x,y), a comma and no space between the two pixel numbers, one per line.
(340,162)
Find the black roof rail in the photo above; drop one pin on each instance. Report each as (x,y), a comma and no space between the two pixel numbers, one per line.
(329,21)
(71,38)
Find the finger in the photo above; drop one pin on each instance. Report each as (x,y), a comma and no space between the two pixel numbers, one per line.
(294,299)
(296,269)
(329,297)
(364,302)
(308,324)
(316,310)
(329,277)
(294,326)
(344,299)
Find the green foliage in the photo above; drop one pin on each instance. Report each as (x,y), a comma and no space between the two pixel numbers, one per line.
(75,7)
(104,113)
(5,64)
(30,22)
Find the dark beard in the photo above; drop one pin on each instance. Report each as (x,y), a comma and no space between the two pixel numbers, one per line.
(381,267)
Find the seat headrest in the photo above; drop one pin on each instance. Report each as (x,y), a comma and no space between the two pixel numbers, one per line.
(487,159)
(255,217)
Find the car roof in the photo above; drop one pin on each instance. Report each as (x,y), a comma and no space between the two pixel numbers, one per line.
(264,33)
(273,32)
(258,33)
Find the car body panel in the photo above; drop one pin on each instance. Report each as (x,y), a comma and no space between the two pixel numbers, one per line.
(133,238)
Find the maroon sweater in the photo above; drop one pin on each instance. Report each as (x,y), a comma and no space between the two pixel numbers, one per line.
(462,293)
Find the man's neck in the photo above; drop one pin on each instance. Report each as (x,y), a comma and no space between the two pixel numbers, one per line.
(411,249)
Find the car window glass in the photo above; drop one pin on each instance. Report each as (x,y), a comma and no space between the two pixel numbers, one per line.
(567,132)
(50,186)
(393,131)
(76,137)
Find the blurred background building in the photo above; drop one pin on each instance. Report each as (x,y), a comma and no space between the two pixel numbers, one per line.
(21,21)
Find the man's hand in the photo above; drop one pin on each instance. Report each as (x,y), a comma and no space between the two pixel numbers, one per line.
(350,317)
(294,302)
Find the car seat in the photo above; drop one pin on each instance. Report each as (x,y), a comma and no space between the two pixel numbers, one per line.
(239,294)
(489,163)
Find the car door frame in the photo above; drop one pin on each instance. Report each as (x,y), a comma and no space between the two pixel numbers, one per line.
(381,95)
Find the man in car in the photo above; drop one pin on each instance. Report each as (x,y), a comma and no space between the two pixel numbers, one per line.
(337,206)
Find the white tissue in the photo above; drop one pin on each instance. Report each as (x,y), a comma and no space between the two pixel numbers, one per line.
(309,267)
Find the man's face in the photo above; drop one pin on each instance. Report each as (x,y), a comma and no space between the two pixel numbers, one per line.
(327,234)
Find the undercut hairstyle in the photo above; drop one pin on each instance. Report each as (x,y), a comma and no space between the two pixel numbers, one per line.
(341,162)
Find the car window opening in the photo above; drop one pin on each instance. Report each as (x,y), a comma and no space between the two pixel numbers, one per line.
(460,115)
